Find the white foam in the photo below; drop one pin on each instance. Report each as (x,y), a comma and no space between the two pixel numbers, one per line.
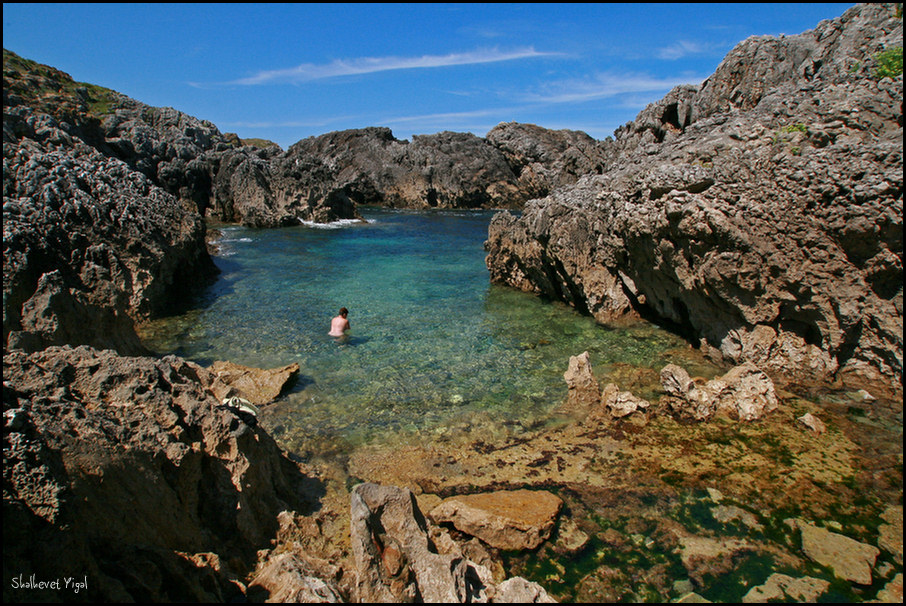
(339,224)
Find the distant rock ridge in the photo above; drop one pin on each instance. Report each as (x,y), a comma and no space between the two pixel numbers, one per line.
(759,214)
(104,196)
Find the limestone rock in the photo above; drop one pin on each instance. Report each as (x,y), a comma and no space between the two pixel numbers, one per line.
(850,559)
(621,403)
(288,579)
(744,393)
(893,591)
(752,212)
(784,588)
(584,392)
(258,386)
(509,520)
(397,560)
(812,422)
(394,558)
(520,591)
(96,431)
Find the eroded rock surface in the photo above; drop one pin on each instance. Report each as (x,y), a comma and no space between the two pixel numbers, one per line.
(135,472)
(760,212)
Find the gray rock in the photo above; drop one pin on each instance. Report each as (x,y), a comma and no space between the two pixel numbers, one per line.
(760,213)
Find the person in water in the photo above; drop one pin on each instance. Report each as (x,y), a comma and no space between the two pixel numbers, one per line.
(339,325)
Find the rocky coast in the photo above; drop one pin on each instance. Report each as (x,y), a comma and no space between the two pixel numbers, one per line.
(758,214)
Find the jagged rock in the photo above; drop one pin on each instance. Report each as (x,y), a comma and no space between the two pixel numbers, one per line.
(744,393)
(394,558)
(288,579)
(127,465)
(397,560)
(519,591)
(584,393)
(812,422)
(621,403)
(509,520)
(784,588)
(761,216)
(850,559)
(544,159)
(258,386)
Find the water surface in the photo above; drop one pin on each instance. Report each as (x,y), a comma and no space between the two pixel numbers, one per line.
(432,345)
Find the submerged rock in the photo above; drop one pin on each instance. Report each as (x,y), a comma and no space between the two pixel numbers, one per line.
(783,588)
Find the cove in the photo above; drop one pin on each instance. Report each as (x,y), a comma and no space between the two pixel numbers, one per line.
(434,346)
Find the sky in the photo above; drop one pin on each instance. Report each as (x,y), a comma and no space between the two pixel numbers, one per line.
(285,72)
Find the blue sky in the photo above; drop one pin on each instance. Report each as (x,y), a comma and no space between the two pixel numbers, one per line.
(288,71)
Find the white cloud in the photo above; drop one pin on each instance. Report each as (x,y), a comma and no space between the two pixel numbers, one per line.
(368,65)
(604,85)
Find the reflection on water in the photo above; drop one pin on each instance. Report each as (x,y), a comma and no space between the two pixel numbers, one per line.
(432,343)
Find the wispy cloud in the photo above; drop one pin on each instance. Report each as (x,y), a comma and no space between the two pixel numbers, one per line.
(684,48)
(604,85)
(368,65)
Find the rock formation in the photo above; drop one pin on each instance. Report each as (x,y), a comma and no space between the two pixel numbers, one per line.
(129,471)
(759,213)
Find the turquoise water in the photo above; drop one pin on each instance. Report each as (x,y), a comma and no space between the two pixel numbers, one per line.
(433,344)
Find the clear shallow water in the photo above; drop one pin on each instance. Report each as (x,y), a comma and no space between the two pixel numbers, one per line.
(433,344)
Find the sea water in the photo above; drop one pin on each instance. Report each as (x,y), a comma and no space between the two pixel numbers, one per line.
(433,344)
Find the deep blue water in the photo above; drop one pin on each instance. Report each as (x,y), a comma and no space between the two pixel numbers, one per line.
(433,344)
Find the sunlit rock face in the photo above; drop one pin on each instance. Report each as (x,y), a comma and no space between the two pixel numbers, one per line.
(759,213)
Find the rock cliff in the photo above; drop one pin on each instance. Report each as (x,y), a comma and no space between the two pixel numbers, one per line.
(759,213)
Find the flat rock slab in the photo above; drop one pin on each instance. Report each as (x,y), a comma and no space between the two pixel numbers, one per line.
(258,386)
(508,520)
(850,559)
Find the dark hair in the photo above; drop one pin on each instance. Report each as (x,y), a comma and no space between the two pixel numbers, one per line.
(343,311)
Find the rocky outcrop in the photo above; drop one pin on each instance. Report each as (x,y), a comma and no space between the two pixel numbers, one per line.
(545,159)
(760,213)
(397,560)
(744,393)
(88,243)
(129,471)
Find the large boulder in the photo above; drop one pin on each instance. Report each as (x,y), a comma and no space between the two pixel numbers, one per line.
(760,216)
(129,471)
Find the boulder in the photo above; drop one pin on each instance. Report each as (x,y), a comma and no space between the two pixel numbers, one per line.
(812,422)
(621,403)
(508,520)
(258,386)
(850,559)
(288,579)
(397,559)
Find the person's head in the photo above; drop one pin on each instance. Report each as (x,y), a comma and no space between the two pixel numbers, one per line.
(344,312)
